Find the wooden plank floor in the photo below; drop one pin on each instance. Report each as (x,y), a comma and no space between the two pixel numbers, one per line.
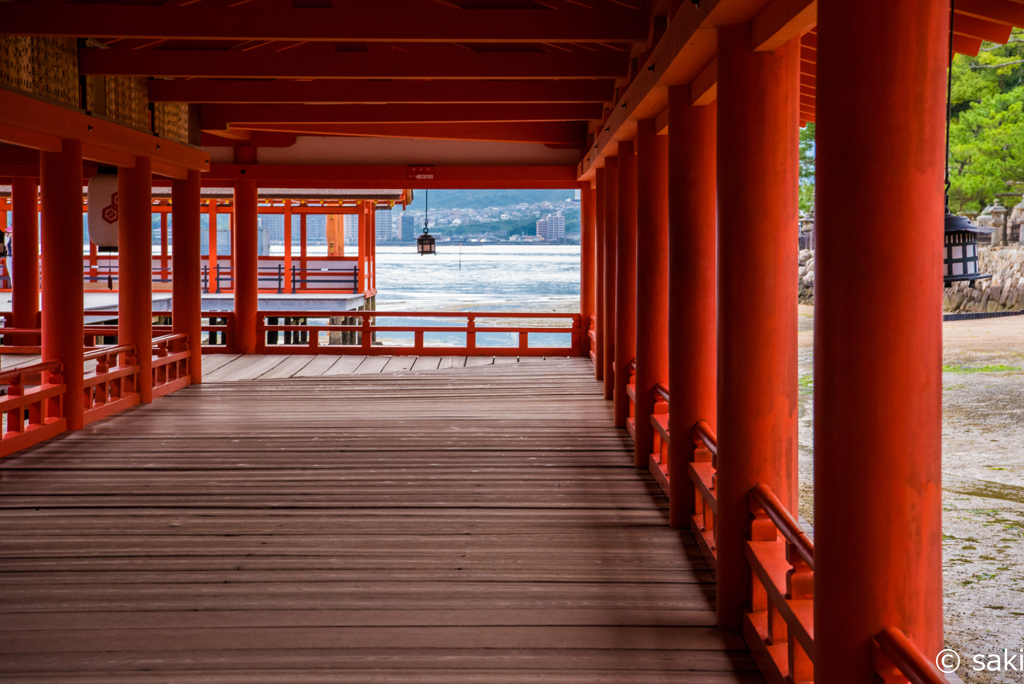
(232,367)
(441,526)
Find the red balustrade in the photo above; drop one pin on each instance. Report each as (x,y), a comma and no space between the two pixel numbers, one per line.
(703,473)
(779,629)
(111,387)
(898,660)
(43,404)
(658,463)
(592,334)
(171,356)
(310,333)
(631,398)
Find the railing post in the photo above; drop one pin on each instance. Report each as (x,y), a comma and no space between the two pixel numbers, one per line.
(280,279)
(365,340)
(355,280)
(471,333)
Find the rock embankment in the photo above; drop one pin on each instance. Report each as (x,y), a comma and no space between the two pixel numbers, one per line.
(1004,291)
(806,291)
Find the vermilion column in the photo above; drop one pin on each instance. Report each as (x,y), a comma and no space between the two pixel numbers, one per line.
(186,296)
(599,285)
(25,257)
(878,340)
(245,250)
(625,280)
(757,284)
(135,268)
(611,220)
(651,340)
(587,265)
(691,295)
(63,318)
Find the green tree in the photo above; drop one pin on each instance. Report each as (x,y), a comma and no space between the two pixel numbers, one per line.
(987,128)
(807,151)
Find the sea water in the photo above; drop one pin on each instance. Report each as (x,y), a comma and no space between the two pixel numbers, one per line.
(478,277)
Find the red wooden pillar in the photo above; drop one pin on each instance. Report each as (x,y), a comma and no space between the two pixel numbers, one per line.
(691,295)
(245,251)
(214,279)
(599,283)
(186,295)
(651,341)
(878,341)
(757,283)
(587,265)
(611,221)
(25,257)
(63,317)
(135,268)
(288,246)
(625,280)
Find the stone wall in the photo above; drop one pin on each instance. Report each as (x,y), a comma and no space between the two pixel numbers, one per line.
(1002,292)
(806,292)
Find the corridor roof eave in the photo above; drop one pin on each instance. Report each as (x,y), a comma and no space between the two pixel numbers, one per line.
(380,195)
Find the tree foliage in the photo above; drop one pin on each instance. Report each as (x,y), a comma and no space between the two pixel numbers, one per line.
(807,152)
(987,129)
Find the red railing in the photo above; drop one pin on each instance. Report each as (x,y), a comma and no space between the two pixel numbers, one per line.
(220,337)
(779,629)
(703,471)
(631,397)
(592,334)
(658,463)
(306,338)
(112,386)
(899,661)
(44,405)
(171,359)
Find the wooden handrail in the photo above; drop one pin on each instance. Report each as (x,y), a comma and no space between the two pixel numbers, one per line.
(661,391)
(41,367)
(101,352)
(785,522)
(907,657)
(702,432)
(170,338)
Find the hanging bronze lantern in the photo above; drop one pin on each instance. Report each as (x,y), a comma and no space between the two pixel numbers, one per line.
(961,250)
(425,242)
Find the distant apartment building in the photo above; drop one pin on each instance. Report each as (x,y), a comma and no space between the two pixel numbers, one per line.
(408,227)
(551,227)
(351,229)
(385,225)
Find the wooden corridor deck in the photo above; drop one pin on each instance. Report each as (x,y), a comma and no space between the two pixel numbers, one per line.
(475,524)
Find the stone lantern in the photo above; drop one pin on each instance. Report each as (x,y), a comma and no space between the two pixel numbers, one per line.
(998,223)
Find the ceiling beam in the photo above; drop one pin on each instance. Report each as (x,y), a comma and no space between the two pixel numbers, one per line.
(339,92)
(217,116)
(371,177)
(545,132)
(392,22)
(999,11)
(29,122)
(300,63)
(781,21)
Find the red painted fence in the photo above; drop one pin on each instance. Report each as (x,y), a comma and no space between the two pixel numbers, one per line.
(779,623)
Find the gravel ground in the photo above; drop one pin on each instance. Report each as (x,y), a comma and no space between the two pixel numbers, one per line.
(983,483)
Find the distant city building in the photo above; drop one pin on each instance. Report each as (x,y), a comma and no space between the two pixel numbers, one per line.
(385,225)
(551,227)
(408,227)
(351,229)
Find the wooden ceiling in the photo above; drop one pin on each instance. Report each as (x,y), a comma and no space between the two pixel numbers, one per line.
(566,73)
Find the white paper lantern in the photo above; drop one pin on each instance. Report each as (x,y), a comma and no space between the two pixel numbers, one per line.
(103,210)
